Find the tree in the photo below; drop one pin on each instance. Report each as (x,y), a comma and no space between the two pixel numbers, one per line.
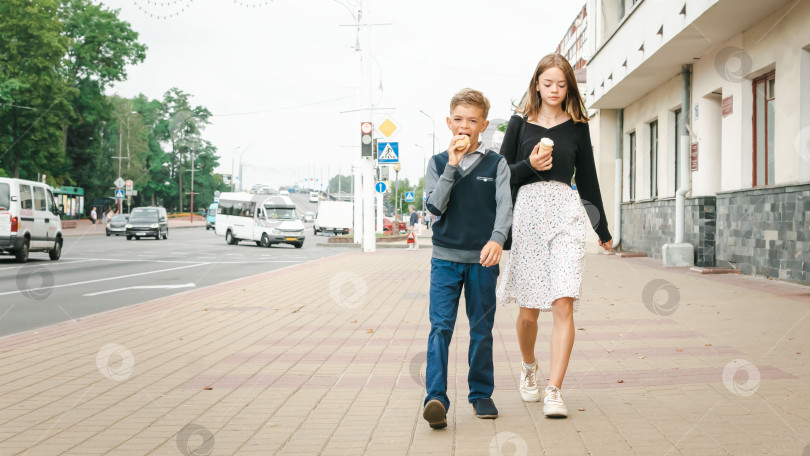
(32,92)
(101,47)
(180,129)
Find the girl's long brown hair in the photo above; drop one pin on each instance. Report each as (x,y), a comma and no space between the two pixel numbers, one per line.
(572,104)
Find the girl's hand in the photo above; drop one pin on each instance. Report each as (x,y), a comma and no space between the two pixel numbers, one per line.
(606,245)
(541,161)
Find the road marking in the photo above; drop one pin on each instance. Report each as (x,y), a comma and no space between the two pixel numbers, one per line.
(51,264)
(105,279)
(142,287)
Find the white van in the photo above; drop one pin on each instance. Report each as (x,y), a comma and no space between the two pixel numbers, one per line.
(314,197)
(29,219)
(264,219)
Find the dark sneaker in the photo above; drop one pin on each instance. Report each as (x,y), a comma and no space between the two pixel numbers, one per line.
(435,414)
(485,408)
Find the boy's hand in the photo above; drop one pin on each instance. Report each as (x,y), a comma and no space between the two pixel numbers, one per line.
(454,153)
(491,254)
(541,161)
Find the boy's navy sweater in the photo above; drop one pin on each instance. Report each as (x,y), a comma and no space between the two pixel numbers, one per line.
(475,205)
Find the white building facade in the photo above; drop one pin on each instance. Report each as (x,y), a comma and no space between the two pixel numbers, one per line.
(721,87)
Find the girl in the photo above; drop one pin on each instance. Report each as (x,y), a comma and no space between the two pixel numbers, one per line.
(544,270)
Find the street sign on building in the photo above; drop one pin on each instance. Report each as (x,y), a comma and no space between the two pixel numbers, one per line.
(409,197)
(388,152)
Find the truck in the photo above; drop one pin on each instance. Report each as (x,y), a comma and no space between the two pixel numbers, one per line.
(334,217)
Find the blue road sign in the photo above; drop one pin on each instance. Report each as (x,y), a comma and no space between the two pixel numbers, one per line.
(387,152)
(380,187)
(119,193)
(409,197)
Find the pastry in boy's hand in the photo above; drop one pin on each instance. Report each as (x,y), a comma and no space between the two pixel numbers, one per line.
(462,143)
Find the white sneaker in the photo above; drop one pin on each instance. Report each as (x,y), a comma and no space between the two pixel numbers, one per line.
(529,390)
(553,405)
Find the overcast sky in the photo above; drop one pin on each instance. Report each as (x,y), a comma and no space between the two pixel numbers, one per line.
(277,74)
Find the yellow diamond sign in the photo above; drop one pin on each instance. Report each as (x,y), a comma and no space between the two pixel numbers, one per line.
(387,127)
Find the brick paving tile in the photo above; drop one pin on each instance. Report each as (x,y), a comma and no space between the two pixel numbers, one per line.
(328,358)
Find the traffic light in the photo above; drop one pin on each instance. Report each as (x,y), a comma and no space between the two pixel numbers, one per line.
(365,139)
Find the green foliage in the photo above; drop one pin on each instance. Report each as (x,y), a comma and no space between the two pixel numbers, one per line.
(57,59)
(32,93)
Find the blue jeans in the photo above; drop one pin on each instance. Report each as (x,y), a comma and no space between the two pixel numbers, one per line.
(446,281)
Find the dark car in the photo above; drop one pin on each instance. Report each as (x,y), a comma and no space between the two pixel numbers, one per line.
(148,222)
(118,225)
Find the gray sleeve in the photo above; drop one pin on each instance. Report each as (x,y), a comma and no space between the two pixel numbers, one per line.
(503,203)
(438,187)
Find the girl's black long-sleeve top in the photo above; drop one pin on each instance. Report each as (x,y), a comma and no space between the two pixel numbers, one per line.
(572,153)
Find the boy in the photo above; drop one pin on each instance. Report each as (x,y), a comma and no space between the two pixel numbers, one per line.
(468,187)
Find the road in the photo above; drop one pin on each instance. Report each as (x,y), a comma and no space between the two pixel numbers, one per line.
(99,273)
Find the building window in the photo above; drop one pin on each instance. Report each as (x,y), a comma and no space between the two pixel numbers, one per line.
(632,151)
(677,135)
(764,116)
(654,159)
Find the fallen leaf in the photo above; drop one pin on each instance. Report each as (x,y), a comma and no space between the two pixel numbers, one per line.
(208,388)
(581,409)
(206,309)
(798,353)
(708,345)
(619,381)
(581,329)
(370,331)
(679,350)
(354,321)
(641,357)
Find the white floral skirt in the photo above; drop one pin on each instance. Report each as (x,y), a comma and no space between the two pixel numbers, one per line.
(548,247)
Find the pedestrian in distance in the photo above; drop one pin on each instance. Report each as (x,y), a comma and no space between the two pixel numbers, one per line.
(468,186)
(413,224)
(93,217)
(544,269)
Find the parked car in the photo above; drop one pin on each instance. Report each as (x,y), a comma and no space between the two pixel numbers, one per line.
(118,225)
(309,217)
(284,193)
(264,219)
(387,225)
(29,219)
(148,222)
(211,217)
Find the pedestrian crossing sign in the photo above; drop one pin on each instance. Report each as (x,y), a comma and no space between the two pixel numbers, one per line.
(409,197)
(387,152)
(119,193)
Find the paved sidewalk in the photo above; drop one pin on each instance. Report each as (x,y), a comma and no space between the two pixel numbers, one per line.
(85,228)
(328,358)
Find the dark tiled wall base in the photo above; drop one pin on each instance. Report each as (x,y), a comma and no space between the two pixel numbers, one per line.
(648,225)
(766,231)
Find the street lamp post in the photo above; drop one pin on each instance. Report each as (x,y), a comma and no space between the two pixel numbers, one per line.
(397,167)
(424,174)
(233,168)
(434,130)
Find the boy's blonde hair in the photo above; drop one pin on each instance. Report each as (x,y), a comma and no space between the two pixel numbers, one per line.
(470,97)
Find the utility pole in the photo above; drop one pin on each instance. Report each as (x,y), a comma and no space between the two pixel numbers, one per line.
(191,212)
(120,157)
